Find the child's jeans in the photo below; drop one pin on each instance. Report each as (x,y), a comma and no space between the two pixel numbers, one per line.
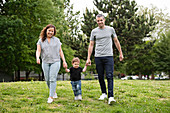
(76,86)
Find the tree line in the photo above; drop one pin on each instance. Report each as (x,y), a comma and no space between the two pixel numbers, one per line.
(21,22)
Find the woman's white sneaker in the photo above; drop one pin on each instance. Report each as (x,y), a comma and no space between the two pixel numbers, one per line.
(50,100)
(55,95)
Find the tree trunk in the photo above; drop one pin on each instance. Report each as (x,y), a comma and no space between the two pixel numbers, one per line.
(63,76)
(18,75)
(39,76)
(140,76)
(27,75)
(152,76)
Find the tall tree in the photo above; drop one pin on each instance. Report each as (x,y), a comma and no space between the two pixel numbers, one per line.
(131,27)
(33,16)
(162,52)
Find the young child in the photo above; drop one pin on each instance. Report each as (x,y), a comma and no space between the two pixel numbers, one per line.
(75,77)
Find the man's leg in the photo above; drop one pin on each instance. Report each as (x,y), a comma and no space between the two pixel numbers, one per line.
(109,74)
(100,71)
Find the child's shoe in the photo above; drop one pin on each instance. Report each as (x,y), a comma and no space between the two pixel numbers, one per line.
(76,98)
(50,100)
(79,97)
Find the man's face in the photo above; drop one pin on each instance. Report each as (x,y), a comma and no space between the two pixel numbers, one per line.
(100,21)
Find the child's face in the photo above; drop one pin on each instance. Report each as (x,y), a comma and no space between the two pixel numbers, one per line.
(50,32)
(75,64)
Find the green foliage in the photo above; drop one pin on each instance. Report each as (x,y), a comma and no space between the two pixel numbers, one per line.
(131,95)
(131,27)
(21,24)
(162,51)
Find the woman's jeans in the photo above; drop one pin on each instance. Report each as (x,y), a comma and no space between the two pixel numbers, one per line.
(50,72)
(105,63)
(76,86)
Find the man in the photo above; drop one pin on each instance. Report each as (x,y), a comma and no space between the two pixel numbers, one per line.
(102,37)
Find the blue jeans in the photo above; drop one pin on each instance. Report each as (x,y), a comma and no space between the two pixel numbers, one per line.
(50,73)
(105,64)
(76,86)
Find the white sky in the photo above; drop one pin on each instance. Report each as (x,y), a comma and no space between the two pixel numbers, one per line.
(80,5)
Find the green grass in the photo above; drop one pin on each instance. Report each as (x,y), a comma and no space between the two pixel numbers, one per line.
(133,96)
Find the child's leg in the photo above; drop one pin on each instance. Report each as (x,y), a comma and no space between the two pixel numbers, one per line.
(74,88)
(79,88)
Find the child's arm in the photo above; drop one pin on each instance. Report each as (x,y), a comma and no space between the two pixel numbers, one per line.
(85,67)
(67,70)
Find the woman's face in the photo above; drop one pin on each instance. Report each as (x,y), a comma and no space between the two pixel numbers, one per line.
(50,32)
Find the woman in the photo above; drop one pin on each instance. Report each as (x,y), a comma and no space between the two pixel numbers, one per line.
(49,47)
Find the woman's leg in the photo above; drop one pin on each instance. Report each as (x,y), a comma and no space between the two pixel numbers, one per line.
(54,69)
(46,70)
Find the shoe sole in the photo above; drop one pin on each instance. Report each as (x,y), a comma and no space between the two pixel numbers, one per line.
(112,102)
(103,99)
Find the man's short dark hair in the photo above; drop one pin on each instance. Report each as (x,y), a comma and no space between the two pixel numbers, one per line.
(99,15)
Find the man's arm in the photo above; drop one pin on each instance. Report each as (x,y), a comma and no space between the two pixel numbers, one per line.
(90,50)
(117,43)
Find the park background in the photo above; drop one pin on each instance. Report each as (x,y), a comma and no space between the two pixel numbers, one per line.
(144,35)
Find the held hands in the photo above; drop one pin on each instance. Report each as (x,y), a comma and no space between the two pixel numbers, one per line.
(88,62)
(64,64)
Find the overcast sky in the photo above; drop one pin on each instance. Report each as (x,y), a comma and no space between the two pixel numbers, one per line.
(80,5)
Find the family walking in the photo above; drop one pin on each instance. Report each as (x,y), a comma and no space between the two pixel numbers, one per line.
(49,48)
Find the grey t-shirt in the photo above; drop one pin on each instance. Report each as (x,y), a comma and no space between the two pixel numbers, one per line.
(50,51)
(103,41)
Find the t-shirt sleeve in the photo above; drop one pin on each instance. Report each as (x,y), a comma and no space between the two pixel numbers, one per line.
(92,36)
(113,32)
(39,42)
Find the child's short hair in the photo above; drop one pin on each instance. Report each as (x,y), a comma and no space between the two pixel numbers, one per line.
(76,59)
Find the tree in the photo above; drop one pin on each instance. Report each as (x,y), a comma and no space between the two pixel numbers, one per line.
(162,51)
(131,27)
(21,23)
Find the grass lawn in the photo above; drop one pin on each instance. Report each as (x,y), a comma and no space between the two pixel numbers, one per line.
(132,96)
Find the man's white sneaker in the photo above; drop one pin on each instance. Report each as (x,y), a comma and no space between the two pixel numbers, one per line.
(50,100)
(76,98)
(55,95)
(103,96)
(79,97)
(111,100)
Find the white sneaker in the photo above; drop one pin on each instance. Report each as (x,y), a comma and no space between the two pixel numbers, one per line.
(103,96)
(79,97)
(111,100)
(76,98)
(50,100)
(55,95)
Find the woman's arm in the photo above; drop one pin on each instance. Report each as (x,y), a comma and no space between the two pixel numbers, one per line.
(63,58)
(38,52)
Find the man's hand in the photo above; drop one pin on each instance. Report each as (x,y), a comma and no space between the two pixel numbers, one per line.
(88,62)
(121,57)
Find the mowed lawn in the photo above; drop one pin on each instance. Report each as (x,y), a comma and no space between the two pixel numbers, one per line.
(132,96)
